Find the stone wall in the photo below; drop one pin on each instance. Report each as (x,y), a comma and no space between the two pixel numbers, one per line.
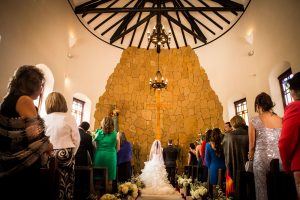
(189,105)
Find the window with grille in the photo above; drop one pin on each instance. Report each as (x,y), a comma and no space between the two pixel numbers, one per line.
(77,110)
(284,87)
(241,109)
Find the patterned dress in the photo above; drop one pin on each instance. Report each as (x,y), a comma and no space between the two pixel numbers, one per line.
(266,149)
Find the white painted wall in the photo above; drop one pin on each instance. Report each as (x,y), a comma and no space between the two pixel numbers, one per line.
(234,74)
(37,32)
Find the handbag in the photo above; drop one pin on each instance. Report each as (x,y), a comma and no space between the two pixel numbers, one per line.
(249,166)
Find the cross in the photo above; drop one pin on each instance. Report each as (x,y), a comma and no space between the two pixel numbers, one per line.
(158,107)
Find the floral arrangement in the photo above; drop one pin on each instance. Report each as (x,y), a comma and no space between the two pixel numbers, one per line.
(109,197)
(198,190)
(137,180)
(127,191)
(218,194)
(183,181)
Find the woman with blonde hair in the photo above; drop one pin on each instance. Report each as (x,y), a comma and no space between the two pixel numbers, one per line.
(235,145)
(62,129)
(107,144)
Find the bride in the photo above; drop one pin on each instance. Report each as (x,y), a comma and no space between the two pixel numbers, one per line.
(154,174)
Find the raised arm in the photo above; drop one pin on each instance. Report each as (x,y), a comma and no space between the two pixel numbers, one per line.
(118,142)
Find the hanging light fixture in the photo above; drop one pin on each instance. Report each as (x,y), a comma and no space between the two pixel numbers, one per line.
(158,82)
(158,36)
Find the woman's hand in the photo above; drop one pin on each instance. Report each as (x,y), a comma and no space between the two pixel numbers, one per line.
(251,154)
(49,149)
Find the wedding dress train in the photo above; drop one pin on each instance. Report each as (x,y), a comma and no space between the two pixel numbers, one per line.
(154,174)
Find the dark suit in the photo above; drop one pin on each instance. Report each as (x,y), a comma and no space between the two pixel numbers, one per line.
(170,154)
(85,147)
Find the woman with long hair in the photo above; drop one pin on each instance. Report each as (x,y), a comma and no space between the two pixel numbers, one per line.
(154,174)
(124,158)
(214,157)
(264,131)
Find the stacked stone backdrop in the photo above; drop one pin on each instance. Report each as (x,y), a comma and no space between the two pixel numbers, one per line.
(189,105)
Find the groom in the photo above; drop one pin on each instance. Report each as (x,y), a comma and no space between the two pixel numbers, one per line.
(170,154)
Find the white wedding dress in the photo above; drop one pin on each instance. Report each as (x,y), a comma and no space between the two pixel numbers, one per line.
(154,174)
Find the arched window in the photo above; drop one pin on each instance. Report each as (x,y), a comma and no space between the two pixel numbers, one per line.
(48,87)
(241,109)
(284,88)
(78,109)
(81,108)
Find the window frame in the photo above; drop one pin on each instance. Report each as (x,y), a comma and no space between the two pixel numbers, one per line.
(243,112)
(284,93)
(76,113)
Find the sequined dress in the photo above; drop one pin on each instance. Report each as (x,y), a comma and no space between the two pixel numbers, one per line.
(266,149)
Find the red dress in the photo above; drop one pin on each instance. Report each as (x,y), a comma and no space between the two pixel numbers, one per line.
(203,151)
(289,141)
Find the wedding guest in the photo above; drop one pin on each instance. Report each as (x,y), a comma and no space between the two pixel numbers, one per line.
(235,146)
(199,156)
(170,154)
(23,143)
(86,149)
(227,127)
(192,159)
(198,150)
(124,157)
(62,129)
(214,157)
(107,146)
(203,148)
(264,131)
(289,141)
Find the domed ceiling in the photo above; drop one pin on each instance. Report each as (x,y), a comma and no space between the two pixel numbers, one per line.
(190,22)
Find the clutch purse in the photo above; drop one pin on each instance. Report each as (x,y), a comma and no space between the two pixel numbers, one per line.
(249,166)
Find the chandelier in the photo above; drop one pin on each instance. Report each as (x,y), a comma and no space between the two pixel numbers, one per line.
(158,36)
(158,82)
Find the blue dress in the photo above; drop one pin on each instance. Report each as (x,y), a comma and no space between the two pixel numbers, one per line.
(213,163)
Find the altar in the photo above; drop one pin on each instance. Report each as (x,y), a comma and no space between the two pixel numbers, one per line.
(186,107)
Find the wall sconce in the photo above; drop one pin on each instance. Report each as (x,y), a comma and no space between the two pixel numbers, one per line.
(72,42)
(249,39)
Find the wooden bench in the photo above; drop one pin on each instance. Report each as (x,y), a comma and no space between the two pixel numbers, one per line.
(280,185)
(100,175)
(191,171)
(49,180)
(90,180)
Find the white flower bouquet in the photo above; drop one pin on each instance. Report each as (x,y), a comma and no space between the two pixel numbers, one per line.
(183,181)
(127,191)
(137,180)
(109,197)
(199,190)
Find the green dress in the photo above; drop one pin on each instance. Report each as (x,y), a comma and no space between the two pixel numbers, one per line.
(106,153)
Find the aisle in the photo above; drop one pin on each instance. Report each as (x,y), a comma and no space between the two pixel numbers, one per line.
(176,196)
